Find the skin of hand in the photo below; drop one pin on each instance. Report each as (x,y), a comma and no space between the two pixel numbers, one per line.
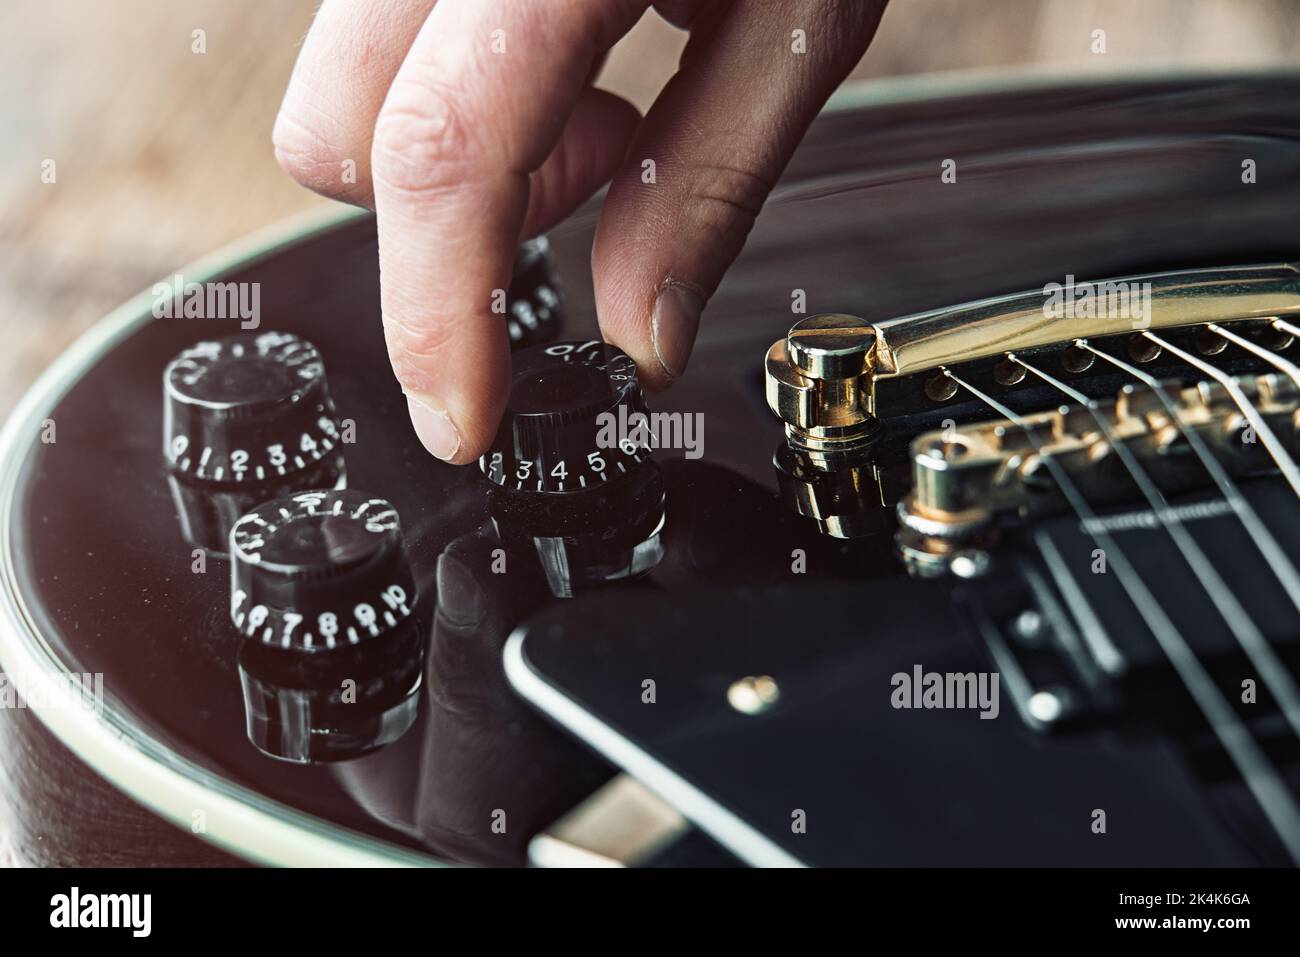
(468,125)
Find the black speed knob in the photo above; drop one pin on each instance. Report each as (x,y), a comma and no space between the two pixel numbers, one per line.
(319,570)
(299,707)
(570,423)
(252,407)
(535,307)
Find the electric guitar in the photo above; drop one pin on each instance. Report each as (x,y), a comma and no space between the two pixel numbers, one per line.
(970,538)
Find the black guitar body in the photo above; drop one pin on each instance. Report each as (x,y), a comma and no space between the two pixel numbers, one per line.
(112,566)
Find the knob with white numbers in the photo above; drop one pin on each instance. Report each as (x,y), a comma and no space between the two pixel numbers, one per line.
(535,303)
(320,570)
(563,430)
(247,408)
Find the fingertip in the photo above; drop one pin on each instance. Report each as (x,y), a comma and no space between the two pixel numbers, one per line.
(661,335)
(673,326)
(644,303)
(455,400)
(434,428)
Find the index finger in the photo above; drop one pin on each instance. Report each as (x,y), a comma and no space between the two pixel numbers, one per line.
(479,103)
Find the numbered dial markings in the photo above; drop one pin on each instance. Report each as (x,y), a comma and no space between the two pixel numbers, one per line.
(567,475)
(569,424)
(247,408)
(319,570)
(535,303)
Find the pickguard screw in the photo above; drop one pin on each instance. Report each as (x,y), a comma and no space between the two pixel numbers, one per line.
(1050,705)
(969,564)
(753,695)
(1029,626)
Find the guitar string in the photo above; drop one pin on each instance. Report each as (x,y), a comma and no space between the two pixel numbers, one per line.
(1268,355)
(1276,677)
(1283,326)
(1275,448)
(1274,555)
(1261,778)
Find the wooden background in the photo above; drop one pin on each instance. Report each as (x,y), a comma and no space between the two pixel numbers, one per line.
(162,154)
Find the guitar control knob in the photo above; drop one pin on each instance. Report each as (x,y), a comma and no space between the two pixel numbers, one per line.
(247,408)
(571,422)
(311,709)
(595,536)
(536,302)
(320,570)
(817,385)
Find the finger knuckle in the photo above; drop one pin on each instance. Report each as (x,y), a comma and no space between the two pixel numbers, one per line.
(727,200)
(422,142)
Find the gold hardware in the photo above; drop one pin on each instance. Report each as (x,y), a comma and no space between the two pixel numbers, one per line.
(965,477)
(844,501)
(833,377)
(1020,322)
(815,377)
(834,374)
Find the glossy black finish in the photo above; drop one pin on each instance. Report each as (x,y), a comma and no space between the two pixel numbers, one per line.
(318,570)
(860,223)
(333,705)
(535,306)
(876,785)
(158,624)
(322,592)
(247,408)
(563,398)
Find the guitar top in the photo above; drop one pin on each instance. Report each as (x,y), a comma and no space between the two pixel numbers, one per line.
(971,536)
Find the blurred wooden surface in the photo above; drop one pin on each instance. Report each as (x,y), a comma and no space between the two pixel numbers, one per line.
(162,154)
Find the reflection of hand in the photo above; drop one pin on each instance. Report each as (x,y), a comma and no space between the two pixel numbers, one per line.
(486,756)
(472,123)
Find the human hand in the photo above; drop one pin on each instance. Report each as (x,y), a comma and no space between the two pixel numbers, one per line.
(470,124)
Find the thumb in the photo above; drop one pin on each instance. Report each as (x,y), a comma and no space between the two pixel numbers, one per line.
(703,163)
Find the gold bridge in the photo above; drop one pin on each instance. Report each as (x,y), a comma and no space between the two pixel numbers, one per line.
(1135,390)
(965,477)
(834,375)
(1216,341)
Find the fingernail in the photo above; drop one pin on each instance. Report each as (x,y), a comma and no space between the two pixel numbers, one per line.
(675,321)
(434,429)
